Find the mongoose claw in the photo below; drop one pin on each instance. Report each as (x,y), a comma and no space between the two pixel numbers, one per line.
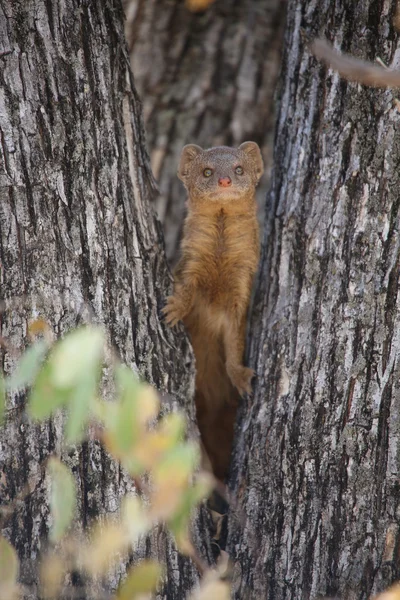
(241,378)
(172,311)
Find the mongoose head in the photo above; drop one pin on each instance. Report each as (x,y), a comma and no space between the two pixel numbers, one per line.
(221,174)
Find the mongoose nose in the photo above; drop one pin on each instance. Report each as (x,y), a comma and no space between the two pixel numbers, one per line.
(224,181)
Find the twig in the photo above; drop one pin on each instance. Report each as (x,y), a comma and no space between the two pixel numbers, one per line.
(354,69)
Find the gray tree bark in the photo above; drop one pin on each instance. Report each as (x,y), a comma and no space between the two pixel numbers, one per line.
(78,242)
(207,79)
(316,470)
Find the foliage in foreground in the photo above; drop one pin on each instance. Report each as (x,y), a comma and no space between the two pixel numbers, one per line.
(151,448)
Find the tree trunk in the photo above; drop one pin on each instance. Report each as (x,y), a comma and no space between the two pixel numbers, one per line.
(207,79)
(317,462)
(316,468)
(78,242)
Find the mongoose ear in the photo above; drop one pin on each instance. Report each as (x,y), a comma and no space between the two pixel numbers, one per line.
(189,152)
(253,152)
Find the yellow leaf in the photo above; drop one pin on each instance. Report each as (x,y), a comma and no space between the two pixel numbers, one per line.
(173,426)
(52,571)
(9,564)
(178,464)
(172,480)
(202,487)
(106,542)
(165,500)
(80,352)
(135,520)
(150,448)
(148,404)
(155,444)
(212,590)
(183,542)
(141,579)
(10,591)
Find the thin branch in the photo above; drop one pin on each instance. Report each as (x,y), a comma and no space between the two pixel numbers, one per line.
(354,69)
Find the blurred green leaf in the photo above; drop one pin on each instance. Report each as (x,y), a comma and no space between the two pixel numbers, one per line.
(126,436)
(189,499)
(179,462)
(79,407)
(135,518)
(69,377)
(28,366)
(117,437)
(148,403)
(212,590)
(174,426)
(179,523)
(9,564)
(80,352)
(127,382)
(62,498)
(2,399)
(107,543)
(171,477)
(142,579)
(127,423)
(52,573)
(45,397)
(200,490)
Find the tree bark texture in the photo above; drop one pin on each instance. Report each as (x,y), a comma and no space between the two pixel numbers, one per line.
(207,79)
(317,462)
(78,242)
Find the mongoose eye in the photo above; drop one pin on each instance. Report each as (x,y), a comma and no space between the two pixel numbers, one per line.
(239,170)
(207,172)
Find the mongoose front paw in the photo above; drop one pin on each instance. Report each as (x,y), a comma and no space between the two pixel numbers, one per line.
(173,311)
(241,378)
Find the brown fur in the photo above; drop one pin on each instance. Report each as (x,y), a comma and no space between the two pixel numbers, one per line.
(213,280)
